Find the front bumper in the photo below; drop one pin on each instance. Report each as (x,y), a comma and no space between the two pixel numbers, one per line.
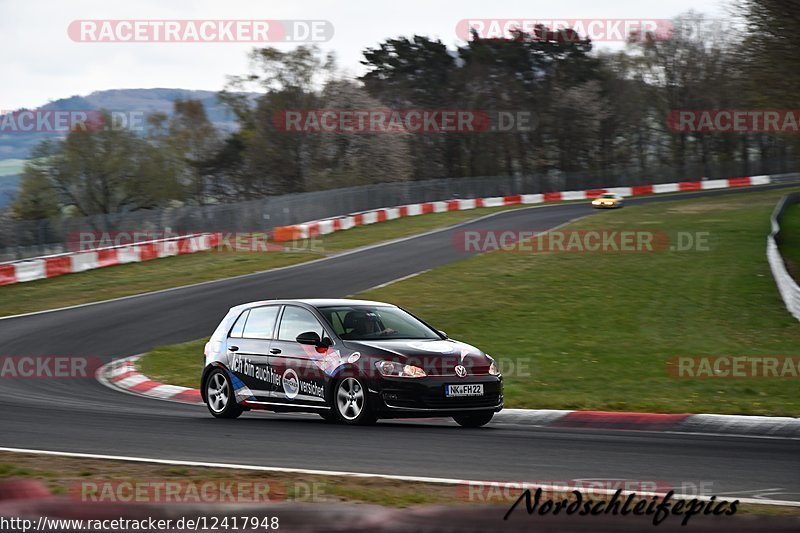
(408,397)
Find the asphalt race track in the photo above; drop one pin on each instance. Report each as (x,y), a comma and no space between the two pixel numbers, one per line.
(84,416)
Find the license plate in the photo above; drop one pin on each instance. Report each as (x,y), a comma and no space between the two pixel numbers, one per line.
(473,389)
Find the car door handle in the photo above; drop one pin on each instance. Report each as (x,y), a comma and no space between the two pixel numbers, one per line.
(233,348)
(275,350)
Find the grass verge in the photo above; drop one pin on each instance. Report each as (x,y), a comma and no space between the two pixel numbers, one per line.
(398,228)
(176,364)
(63,476)
(596,330)
(137,278)
(68,476)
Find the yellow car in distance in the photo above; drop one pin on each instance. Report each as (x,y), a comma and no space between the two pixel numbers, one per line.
(607,200)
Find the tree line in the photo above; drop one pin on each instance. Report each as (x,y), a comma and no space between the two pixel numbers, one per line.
(594,113)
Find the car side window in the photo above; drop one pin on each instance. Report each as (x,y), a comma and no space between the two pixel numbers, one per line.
(261,322)
(335,320)
(338,322)
(296,320)
(238,327)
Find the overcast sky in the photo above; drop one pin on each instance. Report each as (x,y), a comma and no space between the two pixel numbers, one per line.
(41,63)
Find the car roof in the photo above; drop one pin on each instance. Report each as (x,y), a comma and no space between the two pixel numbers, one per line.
(313,302)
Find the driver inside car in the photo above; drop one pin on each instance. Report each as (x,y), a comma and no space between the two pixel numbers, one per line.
(361,323)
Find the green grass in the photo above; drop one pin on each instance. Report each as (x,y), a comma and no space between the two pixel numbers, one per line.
(790,239)
(176,364)
(595,331)
(136,278)
(63,476)
(401,227)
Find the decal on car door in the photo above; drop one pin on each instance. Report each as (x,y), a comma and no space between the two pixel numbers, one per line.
(240,390)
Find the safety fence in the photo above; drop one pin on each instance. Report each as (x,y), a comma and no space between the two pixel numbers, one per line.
(22,239)
(787,286)
(71,263)
(323,227)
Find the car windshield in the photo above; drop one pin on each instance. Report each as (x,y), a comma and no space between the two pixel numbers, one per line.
(609,196)
(358,322)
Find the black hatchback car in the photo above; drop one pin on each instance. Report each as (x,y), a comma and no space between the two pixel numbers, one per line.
(351,361)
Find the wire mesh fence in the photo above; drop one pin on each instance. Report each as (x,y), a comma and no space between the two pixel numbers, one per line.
(23,239)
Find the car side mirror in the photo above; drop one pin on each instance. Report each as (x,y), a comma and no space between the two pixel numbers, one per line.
(312,339)
(443,334)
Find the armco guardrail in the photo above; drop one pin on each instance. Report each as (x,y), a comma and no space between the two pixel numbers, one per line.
(314,228)
(58,265)
(787,286)
(70,263)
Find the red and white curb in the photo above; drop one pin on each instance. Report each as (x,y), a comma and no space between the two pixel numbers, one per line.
(315,228)
(122,375)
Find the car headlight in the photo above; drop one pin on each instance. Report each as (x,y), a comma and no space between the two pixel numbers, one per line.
(494,370)
(399,370)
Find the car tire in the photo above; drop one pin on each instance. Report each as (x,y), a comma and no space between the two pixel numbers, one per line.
(351,404)
(220,397)
(474,420)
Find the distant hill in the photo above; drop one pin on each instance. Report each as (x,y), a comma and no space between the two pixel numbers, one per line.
(19,145)
(9,167)
(16,147)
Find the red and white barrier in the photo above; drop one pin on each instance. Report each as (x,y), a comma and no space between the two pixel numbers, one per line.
(69,263)
(315,228)
(73,262)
